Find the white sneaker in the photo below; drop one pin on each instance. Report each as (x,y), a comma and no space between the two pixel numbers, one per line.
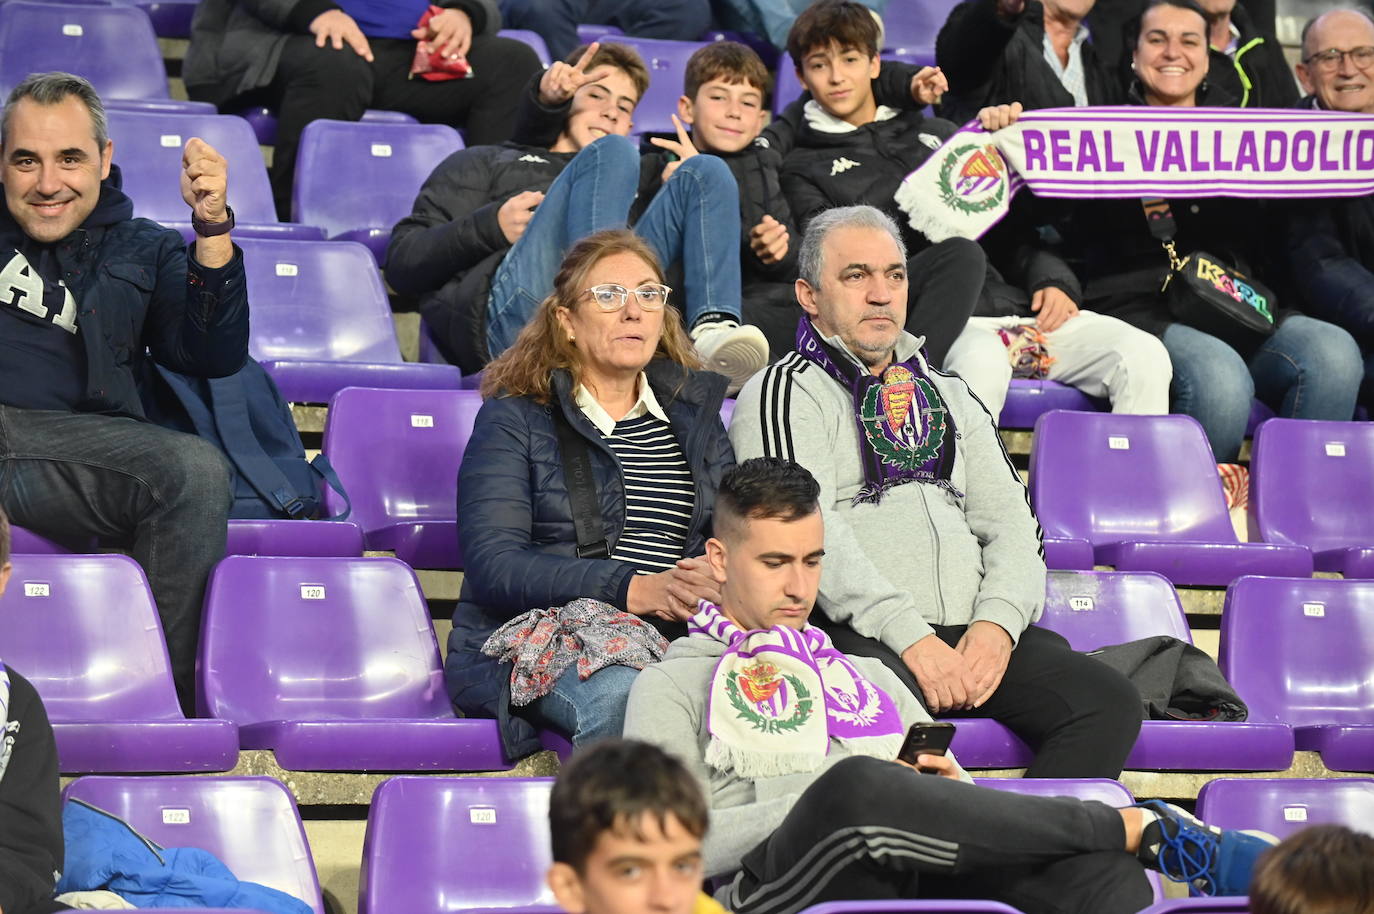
(734,350)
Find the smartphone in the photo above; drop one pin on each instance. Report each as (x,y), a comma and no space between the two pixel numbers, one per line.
(926,739)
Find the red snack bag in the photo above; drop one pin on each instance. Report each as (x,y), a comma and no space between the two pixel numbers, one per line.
(431,65)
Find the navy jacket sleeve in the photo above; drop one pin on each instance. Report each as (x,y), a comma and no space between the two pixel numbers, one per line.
(496,502)
(451,227)
(197,320)
(1338,286)
(30,804)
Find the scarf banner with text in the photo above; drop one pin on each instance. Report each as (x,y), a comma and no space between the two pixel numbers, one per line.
(966,186)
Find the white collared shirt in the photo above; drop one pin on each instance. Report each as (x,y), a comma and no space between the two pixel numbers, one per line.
(1071,76)
(647,403)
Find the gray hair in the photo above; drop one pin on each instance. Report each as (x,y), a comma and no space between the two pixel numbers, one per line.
(1307,26)
(53,89)
(810,255)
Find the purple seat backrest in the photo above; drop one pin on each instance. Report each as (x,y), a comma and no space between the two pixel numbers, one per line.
(397,452)
(382,165)
(1230,904)
(249,823)
(113,46)
(148,150)
(788,87)
(1095,608)
(450,844)
(1282,806)
(929,906)
(1301,650)
(1312,483)
(85,631)
(1108,477)
(913,24)
(318,638)
(26,541)
(317,300)
(667,63)
(533,39)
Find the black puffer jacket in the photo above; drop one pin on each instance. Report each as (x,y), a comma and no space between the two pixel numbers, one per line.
(517,533)
(992,61)
(1258,75)
(861,166)
(30,804)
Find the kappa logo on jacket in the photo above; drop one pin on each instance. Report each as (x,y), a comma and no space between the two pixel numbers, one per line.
(531,157)
(842,164)
(931,140)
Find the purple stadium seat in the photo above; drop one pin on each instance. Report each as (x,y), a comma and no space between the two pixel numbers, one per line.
(170,18)
(1282,806)
(1095,609)
(159,105)
(1069,553)
(383,165)
(787,88)
(1027,400)
(1302,652)
(667,63)
(1259,414)
(910,27)
(927,906)
(397,453)
(592,31)
(322,322)
(442,845)
(1312,484)
(263,120)
(333,664)
(534,40)
(756,43)
(1144,491)
(112,46)
(249,823)
(294,538)
(1225,905)
(1103,790)
(84,630)
(148,150)
(26,541)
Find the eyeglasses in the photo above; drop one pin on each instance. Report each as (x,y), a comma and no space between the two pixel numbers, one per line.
(610,296)
(1330,59)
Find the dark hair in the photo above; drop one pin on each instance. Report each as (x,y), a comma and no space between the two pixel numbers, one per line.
(1133,27)
(1325,869)
(728,61)
(4,537)
(53,89)
(766,487)
(611,786)
(843,22)
(623,58)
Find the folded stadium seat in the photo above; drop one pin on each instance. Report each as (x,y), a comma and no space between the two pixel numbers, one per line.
(383,165)
(1144,491)
(1103,790)
(909,29)
(1302,652)
(1068,552)
(1232,904)
(588,32)
(263,120)
(332,663)
(170,18)
(159,105)
(250,823)
(84,630)
(27,542)
(667,63)
(1096,609)
(148,150)
(294,537)
(111,45)
(439,844)
(533,39)
(928,906)
(1312,484)
(1027,400)
(322,322)
(1282,806)
(397,453)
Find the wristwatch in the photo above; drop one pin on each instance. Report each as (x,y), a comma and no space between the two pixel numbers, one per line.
(211,229)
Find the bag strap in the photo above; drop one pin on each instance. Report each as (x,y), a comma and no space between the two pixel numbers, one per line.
(1160,218)
(578,477)
(240,442)
(325,470)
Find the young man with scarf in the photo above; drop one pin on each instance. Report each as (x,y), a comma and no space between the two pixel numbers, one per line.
(30,800)
(795,744)
(936,565)
(88,294)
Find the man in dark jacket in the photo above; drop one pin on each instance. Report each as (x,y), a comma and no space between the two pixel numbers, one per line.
(87,292)
(1331,242)
(1246,63)
(850,150)
(313,59)
(30,803)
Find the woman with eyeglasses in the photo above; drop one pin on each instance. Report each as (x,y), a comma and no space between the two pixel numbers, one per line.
(604,359)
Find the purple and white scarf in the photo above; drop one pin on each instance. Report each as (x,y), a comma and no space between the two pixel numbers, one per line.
(778,696)
(967,185)
(6,738)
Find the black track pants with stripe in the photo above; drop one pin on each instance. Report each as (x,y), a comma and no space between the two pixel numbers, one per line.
(870,829)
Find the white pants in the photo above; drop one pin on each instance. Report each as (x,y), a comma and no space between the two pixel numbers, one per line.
(1100,355)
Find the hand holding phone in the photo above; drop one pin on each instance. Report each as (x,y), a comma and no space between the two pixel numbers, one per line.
(932,738)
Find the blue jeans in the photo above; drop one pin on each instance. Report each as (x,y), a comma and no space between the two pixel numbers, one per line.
(1308,369)
(771,18)
(694,218)
(556,21)
(162,494)
(586,711)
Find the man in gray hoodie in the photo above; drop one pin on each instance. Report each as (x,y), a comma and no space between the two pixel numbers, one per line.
(794,744)
(936,565)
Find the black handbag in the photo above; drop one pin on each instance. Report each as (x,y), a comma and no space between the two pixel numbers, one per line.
(1209,294)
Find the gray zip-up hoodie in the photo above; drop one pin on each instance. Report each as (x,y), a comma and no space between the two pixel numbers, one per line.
(668,708)
(922,556)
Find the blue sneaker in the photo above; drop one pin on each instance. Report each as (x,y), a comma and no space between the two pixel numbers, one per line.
(1214,861)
